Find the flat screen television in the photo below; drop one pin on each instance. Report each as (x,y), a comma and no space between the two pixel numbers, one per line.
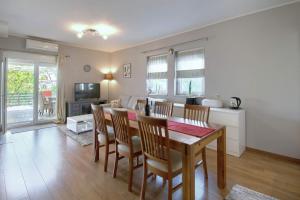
(86,91)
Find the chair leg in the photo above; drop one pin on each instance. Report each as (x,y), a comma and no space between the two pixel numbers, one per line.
(106,156)
(204,163)
(170,188)
(144,183)
(116,164)
(130,174)
(96,151)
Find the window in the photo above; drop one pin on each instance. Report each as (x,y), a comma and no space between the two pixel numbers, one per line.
(157,80)
(189,68)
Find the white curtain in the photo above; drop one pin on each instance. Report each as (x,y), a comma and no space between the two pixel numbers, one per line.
(157,69)
(61,104)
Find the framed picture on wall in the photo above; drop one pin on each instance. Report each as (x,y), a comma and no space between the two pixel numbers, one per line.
(127,70)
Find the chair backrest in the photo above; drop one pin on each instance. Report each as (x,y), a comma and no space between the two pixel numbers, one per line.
(141,103)
(121,126)
(99,119)
(155,138)
(164,108)
(196,112)
(47,93)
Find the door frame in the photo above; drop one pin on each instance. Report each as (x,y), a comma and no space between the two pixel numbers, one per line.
(2,96)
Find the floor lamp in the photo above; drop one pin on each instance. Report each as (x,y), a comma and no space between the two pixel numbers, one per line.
(108,77)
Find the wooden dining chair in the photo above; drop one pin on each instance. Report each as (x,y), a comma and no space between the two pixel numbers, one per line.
(158,157)
(126,144)
(141,103)
(103,134)
(201,114)
(164,108)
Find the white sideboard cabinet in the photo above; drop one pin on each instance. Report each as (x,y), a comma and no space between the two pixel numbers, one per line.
(234,120)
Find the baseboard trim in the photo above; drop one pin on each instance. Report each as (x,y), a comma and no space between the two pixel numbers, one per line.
(274,155)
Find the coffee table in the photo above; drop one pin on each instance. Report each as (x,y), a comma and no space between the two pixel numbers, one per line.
(81,123)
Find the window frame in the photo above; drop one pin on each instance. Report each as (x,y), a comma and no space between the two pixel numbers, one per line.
(175,72)
(171,86)
(167,74)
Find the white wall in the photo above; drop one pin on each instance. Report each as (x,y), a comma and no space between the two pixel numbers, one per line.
(72,71)
(257,58)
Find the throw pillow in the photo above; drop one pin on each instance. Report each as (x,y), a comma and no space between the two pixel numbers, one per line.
(115,103)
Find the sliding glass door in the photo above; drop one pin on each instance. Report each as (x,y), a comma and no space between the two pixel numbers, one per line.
(30,90)
(19,92)
(47,92)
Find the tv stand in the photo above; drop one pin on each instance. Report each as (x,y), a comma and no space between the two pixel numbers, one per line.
(81,107)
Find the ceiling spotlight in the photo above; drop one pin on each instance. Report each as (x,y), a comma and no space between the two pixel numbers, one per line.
(104,37)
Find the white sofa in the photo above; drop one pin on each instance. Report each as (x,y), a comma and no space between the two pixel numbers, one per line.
(130,102)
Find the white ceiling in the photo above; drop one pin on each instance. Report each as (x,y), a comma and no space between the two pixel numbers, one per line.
(139,21)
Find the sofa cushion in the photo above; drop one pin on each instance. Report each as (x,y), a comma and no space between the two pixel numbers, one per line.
(133,102)
(116,103)
(124,100)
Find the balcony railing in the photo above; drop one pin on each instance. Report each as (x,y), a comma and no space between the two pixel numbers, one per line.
(19,99)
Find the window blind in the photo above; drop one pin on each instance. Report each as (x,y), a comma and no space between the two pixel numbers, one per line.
(190,72)
(157,69)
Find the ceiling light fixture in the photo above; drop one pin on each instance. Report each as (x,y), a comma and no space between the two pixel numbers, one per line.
(102,30)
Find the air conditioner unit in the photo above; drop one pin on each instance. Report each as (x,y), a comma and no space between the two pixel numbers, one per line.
(39,45)
(3,29)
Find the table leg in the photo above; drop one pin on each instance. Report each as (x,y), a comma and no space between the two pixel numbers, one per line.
(188,173)
(221,159)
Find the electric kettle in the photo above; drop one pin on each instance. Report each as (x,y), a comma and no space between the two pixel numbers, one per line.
(235,102)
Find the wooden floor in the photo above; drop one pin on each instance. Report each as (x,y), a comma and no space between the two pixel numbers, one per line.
(46,164)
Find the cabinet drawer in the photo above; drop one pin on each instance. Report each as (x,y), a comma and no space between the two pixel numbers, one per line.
(75,106)
(229,119)
(232,133)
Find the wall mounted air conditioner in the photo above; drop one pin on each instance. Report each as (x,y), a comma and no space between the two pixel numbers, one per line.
(39,45)
(3,29)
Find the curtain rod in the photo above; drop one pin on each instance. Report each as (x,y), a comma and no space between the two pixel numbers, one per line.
(174,45)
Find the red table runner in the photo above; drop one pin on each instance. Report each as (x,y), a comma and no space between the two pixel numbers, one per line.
(132,116)
(188,129)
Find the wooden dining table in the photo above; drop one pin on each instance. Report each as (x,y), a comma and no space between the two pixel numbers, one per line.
(190,146)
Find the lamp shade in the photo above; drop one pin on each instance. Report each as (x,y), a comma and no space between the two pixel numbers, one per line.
(108,76)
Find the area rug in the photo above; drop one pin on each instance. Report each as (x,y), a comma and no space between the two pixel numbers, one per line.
(31,128)
(83,139)
(239,192)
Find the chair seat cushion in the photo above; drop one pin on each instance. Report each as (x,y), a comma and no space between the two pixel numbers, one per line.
(136,145)
(176,162)
(111,135)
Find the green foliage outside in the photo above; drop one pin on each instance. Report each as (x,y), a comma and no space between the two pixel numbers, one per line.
(20,85)
(20,82)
